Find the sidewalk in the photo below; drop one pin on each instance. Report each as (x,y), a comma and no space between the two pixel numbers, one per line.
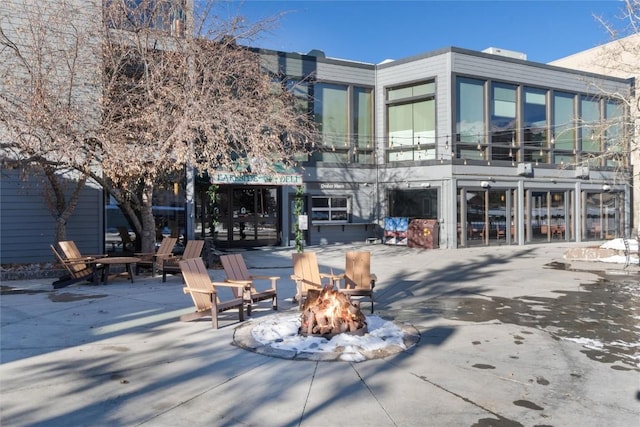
(509,336)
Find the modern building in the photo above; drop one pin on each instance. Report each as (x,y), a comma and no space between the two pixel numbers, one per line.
(494,148)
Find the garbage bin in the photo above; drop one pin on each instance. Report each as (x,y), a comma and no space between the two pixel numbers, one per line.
(423,233)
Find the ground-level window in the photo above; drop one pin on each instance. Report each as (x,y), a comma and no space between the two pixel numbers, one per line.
(413,203)
(330,209)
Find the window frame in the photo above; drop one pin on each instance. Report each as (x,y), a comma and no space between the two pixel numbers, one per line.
(425,149)
(330,209)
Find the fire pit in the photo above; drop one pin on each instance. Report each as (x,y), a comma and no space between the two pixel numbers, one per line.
(329,312)
(283,335)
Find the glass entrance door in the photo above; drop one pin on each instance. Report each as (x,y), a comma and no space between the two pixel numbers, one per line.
(248,216)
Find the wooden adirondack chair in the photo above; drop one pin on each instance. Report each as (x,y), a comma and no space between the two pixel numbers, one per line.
(204,294)
(358,280)
(128,244)
(192,250)
(150,260)
(236,271)
(307,276)
(78,269)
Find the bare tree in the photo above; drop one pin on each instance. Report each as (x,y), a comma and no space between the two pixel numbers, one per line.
(172,93)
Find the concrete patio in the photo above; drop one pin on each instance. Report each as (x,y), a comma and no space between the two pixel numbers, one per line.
(510,336)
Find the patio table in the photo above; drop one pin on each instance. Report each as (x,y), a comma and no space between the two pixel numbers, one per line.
(127,261)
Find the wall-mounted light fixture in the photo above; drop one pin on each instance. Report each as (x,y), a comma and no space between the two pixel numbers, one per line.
(418,185)
(606,187)
(485,184)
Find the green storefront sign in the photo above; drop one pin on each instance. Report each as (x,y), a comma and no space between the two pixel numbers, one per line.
(256,179)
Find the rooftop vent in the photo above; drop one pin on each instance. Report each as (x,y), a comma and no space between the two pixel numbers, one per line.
(317,53)
(505,52)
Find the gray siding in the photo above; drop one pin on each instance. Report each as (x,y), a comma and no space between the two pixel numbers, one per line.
(345,73)
(529,73)
(27,227)
(349,233)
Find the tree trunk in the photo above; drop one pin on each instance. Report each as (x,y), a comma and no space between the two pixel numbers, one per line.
(148,222)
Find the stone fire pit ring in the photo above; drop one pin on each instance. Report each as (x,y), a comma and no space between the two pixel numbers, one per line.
(277,336)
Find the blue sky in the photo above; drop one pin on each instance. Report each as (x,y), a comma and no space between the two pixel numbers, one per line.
(372,31)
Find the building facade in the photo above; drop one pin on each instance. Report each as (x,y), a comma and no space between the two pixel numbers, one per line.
(497,150)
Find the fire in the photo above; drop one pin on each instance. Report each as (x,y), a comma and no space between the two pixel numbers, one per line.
(329,312)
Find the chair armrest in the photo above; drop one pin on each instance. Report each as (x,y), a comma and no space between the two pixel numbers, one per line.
(198,291)
(83,258)
(245,282)
(274,279)
(242,285)
(265,277)
(144,254)
(332,277)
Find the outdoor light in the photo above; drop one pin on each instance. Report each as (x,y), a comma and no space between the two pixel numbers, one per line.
(485,184)
(606,187)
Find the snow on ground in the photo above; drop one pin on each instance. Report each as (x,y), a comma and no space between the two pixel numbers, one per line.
(618,244)
(282,333)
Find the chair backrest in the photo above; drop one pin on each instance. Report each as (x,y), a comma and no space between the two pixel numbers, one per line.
(236,269)
(197,277)
(305,266)
(357,273)
(70,251)
(166,247)
(125,236)
(62,261)
(193,249)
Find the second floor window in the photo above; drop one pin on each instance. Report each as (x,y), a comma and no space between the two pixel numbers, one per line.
(344,115)
(537,125)
(411,122)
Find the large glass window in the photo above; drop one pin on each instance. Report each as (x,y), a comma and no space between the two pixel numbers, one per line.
(534,119)
(564,128)
(300,91)
(613,141)
(411,119)
(470,130)
(503,121)
(344,115)
(413,203)
(601,215)
(362,125)
(331,112)
(330,209)
(536,125)
(590,129)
